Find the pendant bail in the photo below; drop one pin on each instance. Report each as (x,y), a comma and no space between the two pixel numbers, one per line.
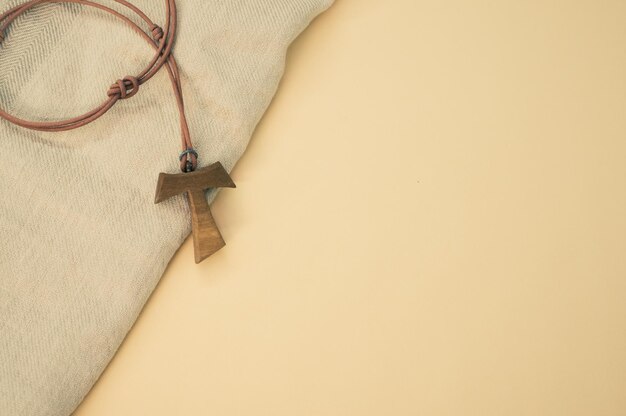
(189,167)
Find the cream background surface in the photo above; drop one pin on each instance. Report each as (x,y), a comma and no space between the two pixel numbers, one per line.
(429,220)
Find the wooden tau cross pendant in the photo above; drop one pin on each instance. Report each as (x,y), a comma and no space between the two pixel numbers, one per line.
(207,238)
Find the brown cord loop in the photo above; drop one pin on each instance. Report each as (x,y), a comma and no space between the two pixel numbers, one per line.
(162,41)
(124,88)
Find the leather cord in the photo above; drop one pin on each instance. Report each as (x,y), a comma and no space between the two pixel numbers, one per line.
(161,39)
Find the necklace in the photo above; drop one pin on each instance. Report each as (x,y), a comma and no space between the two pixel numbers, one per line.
(193,180)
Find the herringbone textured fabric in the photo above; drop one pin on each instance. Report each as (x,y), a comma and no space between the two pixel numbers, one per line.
(83,244)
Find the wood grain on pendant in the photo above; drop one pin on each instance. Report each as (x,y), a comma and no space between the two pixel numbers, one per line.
(207,238)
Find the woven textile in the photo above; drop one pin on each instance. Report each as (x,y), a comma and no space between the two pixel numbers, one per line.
(83,245)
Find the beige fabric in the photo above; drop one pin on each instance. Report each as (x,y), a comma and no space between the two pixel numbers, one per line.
(82,243)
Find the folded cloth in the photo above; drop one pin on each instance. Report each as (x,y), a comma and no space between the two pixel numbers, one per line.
(82,243)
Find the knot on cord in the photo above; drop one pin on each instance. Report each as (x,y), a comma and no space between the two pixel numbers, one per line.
(157,33)
(124,88)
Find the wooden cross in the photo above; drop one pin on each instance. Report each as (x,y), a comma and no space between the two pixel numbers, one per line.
(207,238)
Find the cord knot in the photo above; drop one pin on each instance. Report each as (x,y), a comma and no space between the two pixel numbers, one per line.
(157,33)
(124,88)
